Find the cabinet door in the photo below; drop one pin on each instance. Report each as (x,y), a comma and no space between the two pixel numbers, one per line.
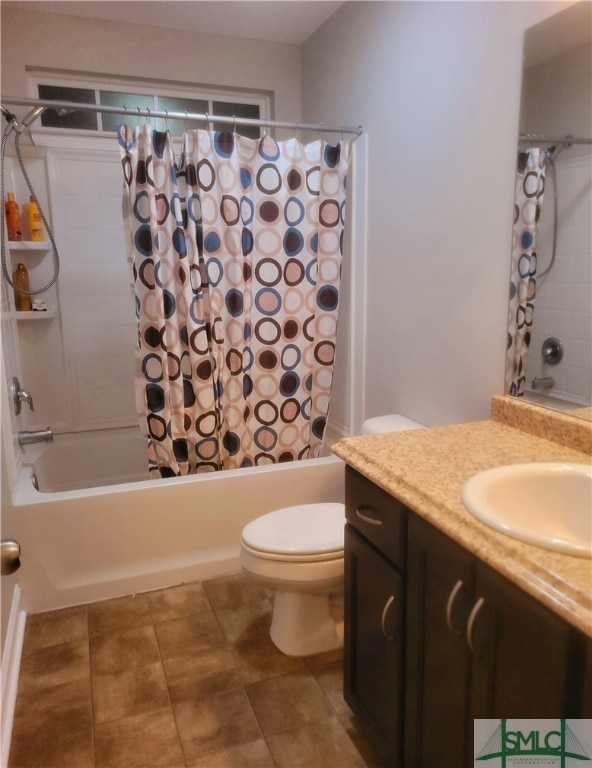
(526,660)
(373,677)
(438,729)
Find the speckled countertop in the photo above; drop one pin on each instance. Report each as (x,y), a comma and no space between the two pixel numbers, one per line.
(426,469)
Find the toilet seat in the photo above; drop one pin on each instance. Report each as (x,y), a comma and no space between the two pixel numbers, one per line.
(303,533)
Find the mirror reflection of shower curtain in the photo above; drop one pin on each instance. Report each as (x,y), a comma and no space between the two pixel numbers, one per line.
(528,199)
(236,250)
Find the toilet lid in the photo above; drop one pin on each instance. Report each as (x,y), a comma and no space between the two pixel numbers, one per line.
(307,529)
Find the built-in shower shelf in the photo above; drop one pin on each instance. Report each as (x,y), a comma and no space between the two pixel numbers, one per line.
(29,245)
(36,316)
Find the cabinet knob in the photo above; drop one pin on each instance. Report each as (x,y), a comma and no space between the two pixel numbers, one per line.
(385,611)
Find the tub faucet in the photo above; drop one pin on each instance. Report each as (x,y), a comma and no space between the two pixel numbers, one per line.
(37,436)
(546,382)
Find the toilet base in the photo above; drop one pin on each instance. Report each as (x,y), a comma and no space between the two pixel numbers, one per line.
(303,624)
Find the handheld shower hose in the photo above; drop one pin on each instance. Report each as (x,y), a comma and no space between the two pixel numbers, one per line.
(18,128)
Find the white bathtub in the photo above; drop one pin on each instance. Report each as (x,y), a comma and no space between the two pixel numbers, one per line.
(104,541)
(88,459)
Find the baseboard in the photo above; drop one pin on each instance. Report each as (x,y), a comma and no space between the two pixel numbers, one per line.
(11,662)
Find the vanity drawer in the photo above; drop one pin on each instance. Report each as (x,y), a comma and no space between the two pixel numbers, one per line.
(377,515)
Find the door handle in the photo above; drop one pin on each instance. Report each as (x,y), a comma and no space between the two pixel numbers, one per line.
(471,622)
(361,512)
(451,598)
(385,611)
(11,556)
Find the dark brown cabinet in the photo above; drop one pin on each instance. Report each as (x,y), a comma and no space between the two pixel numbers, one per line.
(477,647)
(374,613)
(457,641)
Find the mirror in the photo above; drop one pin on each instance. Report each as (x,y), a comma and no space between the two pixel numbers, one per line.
(556,102)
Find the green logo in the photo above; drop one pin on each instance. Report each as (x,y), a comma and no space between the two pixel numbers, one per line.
(559,744)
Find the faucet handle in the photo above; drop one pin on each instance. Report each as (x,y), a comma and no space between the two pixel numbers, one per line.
(19,395)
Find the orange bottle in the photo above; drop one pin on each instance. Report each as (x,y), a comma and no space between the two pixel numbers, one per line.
(13,218)
(21,283)
(34,220)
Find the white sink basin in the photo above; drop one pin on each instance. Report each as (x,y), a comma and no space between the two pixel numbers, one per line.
(548,504)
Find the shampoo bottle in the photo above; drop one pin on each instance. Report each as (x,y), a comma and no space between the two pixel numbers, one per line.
(13,218)
(21,283)
(34,221)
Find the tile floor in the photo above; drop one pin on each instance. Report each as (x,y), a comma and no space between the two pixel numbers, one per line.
(182,677)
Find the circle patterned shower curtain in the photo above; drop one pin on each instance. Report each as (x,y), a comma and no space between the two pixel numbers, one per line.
(236,250)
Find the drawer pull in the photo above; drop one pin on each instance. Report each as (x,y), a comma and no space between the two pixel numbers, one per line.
(451,598)
(385,611)
(476,608)
(361,513)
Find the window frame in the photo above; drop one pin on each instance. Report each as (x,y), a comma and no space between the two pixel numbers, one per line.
(103,139)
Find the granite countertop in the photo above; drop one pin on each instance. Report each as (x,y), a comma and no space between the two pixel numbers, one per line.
(426,469)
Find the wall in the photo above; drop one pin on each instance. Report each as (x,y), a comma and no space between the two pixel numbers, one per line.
(31,40)
(557,100)
(437,87)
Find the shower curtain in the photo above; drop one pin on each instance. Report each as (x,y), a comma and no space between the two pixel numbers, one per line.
(528,199)
(236,250)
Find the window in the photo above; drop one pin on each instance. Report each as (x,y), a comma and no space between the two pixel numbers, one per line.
(201,100)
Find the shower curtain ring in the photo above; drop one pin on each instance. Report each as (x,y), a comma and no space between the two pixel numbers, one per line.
(296,124)
(185,121)
(321,129)
(148,116)
(166,119)
(207,122)
(138,116)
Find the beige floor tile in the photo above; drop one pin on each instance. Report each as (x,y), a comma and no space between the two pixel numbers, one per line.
(55,628)
(129,692)
(255,754)
(69,703)
(248,620)
(329,676)
(172,603)
(118,614)
(259,659)
(54,665)
(215,723)
(143,741)
(190,634)
(246,630)
(53,745)
(233,591)
(323,743)
(133,647)
(193,676)
(287,701)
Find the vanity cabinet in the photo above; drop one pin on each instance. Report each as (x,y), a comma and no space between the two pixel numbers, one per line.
(375,548)
(477,647)
(463,643)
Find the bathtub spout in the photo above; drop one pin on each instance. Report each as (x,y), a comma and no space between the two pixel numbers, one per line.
(37,436)
(546,382)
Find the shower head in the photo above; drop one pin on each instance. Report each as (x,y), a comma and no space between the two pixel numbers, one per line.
(31,116)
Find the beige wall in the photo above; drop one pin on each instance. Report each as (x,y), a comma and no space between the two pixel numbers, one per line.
(436,85)
(85,45)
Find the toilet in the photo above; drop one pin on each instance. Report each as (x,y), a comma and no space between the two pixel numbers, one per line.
(298,552)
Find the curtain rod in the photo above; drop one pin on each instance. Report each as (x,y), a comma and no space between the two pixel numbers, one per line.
(166,115)
(567,140)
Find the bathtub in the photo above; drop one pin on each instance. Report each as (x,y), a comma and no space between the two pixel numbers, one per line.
(114,537)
